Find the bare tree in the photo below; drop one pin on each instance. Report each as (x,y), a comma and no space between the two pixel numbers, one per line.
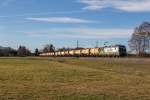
(36,53)
(139,42)
(23,51)
(49,48)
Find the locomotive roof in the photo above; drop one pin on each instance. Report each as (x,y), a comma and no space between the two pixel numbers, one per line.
(117,45)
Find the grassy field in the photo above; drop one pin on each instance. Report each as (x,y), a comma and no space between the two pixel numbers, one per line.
(74,79)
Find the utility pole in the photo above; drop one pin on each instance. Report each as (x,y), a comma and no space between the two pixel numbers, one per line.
(97,44)
(148,46)
(77,44)
(144,48)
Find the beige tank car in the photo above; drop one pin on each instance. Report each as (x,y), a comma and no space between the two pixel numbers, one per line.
(41,54)
(49,54)
(59,53)
(66,53)
(71,52)
(53,53)
(85,52)
(62,53)
(46,54)
(95,51)
(77,52)
(56,53)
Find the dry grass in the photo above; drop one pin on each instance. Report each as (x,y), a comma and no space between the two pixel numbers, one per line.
(74,79)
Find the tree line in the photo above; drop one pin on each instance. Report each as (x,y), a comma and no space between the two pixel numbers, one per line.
(8,51)
(23,51)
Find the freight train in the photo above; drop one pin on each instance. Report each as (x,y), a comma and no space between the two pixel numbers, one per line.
(107,51)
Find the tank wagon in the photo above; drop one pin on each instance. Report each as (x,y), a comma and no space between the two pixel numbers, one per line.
(107,51)
(71,53)
(85,52)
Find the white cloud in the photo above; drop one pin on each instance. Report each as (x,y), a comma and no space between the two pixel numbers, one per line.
(61,20)
(43,13)
(124,5)
(82,33)
(103,33)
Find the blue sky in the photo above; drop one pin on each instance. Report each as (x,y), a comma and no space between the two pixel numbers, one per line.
(34,23)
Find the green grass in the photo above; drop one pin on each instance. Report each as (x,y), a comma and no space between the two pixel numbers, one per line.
(74,79)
